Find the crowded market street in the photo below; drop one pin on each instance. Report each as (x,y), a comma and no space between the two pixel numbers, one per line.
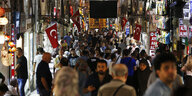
(95,47)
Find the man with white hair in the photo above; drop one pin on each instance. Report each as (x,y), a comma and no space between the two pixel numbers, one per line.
(117,86)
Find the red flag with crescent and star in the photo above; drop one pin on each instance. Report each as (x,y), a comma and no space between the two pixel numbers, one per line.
(52,35)
(137,32)
(76,20)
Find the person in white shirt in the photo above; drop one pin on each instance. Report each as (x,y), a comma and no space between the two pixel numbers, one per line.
(112,63)
(37,60)
(118,55)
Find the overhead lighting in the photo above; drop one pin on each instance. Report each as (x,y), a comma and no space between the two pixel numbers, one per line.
(3,21)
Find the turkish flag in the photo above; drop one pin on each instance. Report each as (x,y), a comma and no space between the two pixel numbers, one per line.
(52,35)
(76,20)
(123,22)
(137,32)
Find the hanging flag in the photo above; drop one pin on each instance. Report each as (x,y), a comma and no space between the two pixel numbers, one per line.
(137,32)
(75,18)
(52,34)
(123,23)
(71,10)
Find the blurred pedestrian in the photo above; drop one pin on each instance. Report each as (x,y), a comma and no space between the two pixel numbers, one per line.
(142,75)
(72,58)
(96,80)
(13,88)
(2,77)
(37,60)
(112,63)
(58,59)
(182,91)
(43,75)
(117,86)
(131,65)
(66,82)
(187,68)
(3,89)
(165,66)
(21,70)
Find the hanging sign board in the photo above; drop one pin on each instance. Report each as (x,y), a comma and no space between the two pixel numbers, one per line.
(153,43)
(183,29)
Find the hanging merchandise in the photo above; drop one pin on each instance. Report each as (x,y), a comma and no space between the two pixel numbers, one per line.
(137,32)
(52,35)
(11,44)
(190,35)
(190,20)
(186,11)
(7,37)
(43,7)
(159,7)
(167,38)
(158,31)
(153,5)
(2,11)
(6,58)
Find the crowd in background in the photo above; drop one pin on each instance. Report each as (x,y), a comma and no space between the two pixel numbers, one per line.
(103,64)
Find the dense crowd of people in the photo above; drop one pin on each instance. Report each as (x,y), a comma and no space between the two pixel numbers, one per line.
(103,64)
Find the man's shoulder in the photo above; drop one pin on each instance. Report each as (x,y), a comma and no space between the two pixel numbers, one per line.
(110,85)
(154,88)
(127,87)
(23,58)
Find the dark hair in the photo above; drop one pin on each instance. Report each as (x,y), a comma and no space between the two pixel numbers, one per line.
(14,83)
(3,88)
(102,61)
(137,49)
(142,53)
(134,54)
(107,55)
(64,61)
(144,61)
(101,54)
(40,49)
(121,40)
(148,57)
(126,52)
(130,48)
(19,49)
(85,53)
(163,57)
(113,56)
(119,50)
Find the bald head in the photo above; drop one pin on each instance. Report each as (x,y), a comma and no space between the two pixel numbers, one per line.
(119,70)
(46,57)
